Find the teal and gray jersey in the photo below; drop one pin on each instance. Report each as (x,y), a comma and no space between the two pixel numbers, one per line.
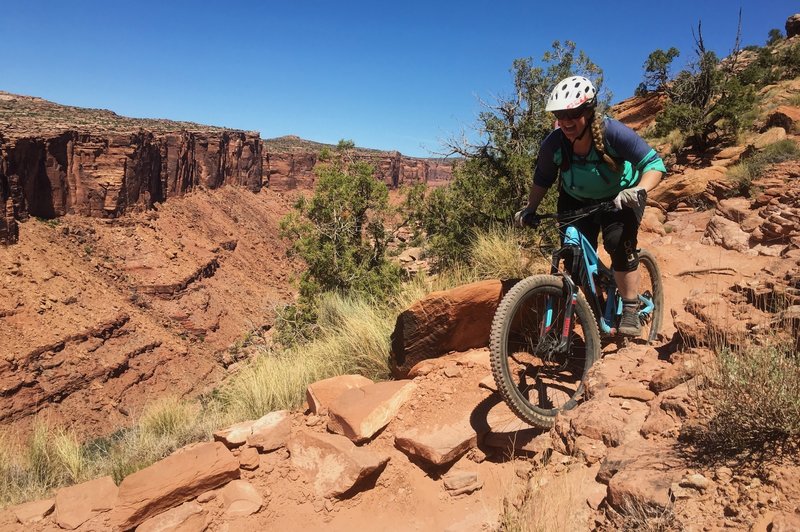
(589,177)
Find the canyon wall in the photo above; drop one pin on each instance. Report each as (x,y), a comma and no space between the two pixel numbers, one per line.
(57,160)
(295,169)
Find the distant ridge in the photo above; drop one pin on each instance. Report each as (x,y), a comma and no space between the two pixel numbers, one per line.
(23,116)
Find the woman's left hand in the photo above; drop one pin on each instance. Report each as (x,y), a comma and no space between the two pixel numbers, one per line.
(631,197)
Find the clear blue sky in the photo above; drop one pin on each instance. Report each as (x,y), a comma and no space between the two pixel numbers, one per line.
(401,75)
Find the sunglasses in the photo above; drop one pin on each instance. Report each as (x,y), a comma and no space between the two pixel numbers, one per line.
(569,114)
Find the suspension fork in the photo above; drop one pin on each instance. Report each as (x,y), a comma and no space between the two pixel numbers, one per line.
(569,297)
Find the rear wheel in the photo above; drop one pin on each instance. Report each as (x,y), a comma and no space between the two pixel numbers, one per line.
(651,288)
(534,377)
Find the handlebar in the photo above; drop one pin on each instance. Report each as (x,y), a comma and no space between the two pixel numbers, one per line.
(605,206)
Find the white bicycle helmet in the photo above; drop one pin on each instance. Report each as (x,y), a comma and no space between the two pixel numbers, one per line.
(571,93)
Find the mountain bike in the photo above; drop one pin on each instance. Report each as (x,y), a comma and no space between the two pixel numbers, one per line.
(546,331)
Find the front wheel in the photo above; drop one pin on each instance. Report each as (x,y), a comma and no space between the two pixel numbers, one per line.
(534,375)
(651,289)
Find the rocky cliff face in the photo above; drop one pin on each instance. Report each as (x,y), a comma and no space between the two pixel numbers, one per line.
(293,168)
(104,175)
(57,160)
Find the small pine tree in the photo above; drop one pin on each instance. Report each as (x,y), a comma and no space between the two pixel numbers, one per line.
(656,68)
(340,235)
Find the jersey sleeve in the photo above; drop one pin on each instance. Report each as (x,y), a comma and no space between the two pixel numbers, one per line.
(546,168)
(626,143)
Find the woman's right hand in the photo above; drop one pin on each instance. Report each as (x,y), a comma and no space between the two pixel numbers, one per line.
(526,218)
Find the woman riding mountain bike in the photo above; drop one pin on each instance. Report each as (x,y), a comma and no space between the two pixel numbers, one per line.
(599,159)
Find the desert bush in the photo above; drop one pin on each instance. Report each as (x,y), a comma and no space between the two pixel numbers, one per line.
(753,400)
(656,69)
(339,233)
(755,166)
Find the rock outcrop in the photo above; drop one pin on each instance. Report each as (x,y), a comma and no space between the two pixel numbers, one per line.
(294,169)
(57,160)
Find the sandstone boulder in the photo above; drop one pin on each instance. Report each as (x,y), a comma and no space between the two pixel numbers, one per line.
(770,136)
(640,475)
(267,433)
(249,459)
(681,187)
(271,431)
(77,504)
(726,233)
(34,511)
(170,482)
(332,462)
(322,393)
(188,517)
(359,413)
(240,499)
(438,444)
(786,117)
(450,320)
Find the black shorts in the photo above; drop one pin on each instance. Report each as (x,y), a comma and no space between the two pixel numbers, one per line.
(620,230)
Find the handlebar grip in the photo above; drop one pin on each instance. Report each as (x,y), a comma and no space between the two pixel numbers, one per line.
(531,219)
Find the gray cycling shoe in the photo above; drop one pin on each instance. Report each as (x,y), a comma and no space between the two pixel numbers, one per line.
(630,325)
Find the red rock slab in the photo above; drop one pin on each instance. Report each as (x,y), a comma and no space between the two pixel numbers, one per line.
(188,517)
(507,431)
(32,512)
(450,320)
(179,477)
(440,444)
(77,504)
(628,391)
(272,430)
(240,499)
(359,413)
(249,459)
(334,464)
(322,393)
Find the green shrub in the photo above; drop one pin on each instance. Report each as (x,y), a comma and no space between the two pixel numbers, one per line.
(340,235)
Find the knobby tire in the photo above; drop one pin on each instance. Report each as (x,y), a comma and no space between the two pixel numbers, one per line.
(534,384)
(652,325)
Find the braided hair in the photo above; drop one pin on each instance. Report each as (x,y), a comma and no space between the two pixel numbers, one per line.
(598,136)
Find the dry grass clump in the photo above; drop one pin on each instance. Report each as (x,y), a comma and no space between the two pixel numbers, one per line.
(497,254)
(51,457)
(753,400)
(636,516)
(546,502)
(353,338)
(751,168)
(164,426)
